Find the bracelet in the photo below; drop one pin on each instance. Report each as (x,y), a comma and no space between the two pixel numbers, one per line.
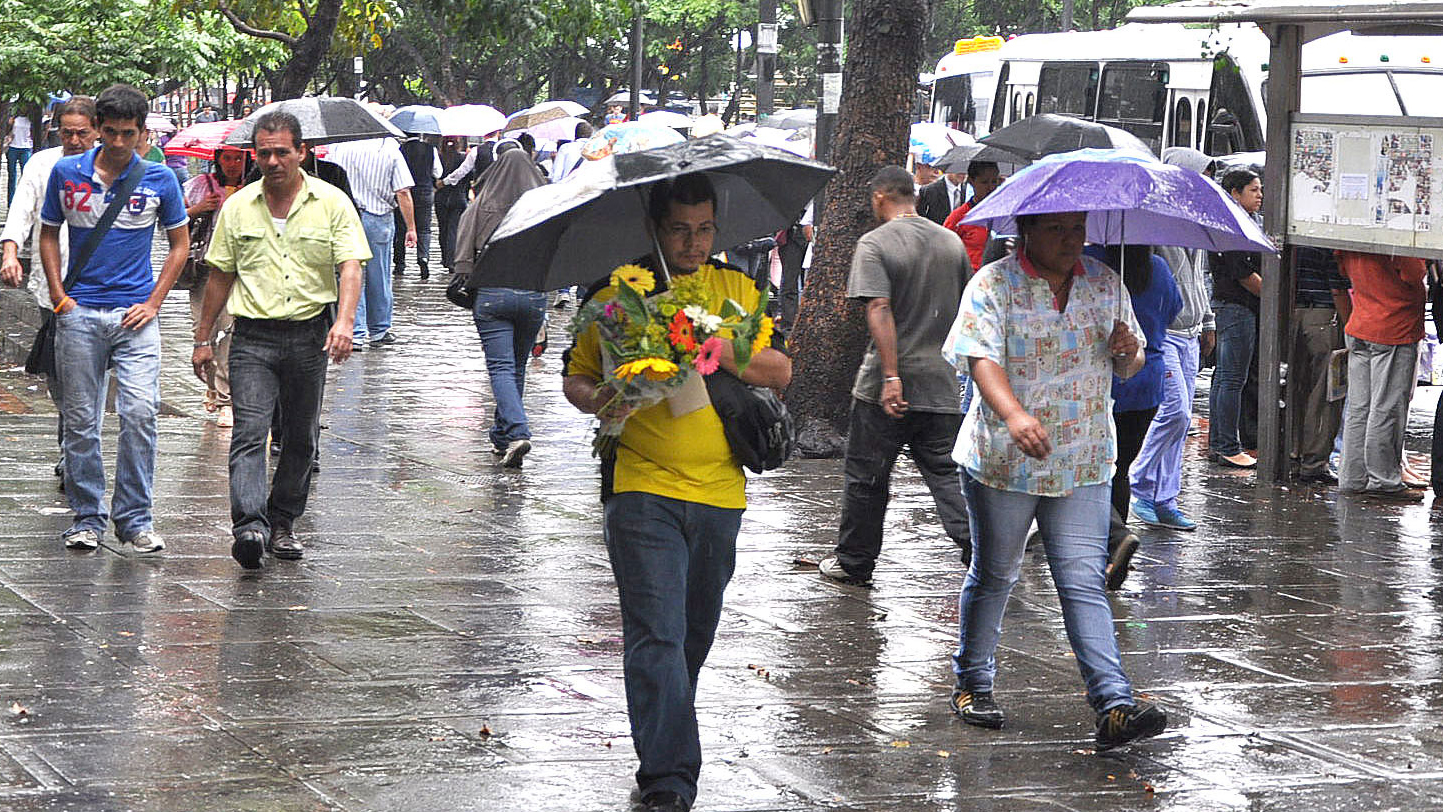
(62,302)
(200,344)
(890,379)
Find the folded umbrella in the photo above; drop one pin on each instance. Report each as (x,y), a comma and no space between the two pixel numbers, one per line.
(324,120)
(578,230)
(1050,133)
(200,140)
(1130,198)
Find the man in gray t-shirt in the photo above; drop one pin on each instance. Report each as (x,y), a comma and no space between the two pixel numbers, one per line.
(910,272)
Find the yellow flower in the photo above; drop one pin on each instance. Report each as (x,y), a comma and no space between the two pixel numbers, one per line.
(764,335)
(640,279)
(654,369)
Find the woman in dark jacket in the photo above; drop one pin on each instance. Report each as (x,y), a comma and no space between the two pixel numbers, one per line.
(450,200)
(507,319)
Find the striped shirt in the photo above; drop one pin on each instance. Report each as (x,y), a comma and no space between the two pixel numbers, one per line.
(376,171)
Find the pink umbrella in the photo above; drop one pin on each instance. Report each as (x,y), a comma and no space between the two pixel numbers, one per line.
(201,140)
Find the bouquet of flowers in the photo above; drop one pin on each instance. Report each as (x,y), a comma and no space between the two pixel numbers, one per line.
(653,345)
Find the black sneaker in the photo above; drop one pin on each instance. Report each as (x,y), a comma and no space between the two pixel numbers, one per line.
(977,708)
(1120,561)
(1125,723)
(664,802)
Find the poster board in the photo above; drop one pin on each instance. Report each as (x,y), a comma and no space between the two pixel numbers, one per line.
(1366,183)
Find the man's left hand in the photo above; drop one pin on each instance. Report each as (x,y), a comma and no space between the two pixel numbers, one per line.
(338,342)
(139,315)
(410,238)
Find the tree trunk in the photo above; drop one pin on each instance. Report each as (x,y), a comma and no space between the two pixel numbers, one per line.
(309,50)
(884,53)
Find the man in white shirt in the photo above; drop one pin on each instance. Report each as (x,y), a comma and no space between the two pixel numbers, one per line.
(77,134)
(568,155)
(380,184)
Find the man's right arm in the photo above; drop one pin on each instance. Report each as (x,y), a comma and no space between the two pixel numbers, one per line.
(460,172)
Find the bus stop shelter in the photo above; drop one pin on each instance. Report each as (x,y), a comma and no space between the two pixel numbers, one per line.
(1298,144)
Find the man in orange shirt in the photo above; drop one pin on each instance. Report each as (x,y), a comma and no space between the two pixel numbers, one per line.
(1382,334)
(984,178)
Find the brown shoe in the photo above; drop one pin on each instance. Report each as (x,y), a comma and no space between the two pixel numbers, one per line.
(1400,495)
(1242,459)
(284,545)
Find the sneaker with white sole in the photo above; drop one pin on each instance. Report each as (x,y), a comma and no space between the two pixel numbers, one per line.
(82,540)
(516,450)
(831,568)
(147,541)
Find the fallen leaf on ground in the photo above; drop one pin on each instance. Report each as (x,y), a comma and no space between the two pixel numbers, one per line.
(901,743)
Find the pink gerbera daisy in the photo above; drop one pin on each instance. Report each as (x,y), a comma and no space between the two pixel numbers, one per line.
(708,358)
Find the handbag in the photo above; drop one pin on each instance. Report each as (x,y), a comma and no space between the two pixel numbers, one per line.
(459,293)
(757,425)
(41,358)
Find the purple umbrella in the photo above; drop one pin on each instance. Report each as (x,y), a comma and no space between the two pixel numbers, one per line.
(1129,198)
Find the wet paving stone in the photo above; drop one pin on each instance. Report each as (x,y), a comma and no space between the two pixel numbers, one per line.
(452,640)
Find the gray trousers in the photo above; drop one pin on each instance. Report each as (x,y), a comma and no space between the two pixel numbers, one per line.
(1314,418)
(1380,385)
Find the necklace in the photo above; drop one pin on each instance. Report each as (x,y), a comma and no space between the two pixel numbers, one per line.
(906,214)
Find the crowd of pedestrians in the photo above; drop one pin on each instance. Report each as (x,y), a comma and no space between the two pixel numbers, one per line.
(1042,387)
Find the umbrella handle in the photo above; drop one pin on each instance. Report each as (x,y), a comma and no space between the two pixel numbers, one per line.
(656,244)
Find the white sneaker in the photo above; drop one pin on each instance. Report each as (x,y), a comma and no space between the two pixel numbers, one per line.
(147,541)
(515,451)
(82,540)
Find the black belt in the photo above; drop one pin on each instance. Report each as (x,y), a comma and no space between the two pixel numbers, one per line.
(1316,305)
(279,324)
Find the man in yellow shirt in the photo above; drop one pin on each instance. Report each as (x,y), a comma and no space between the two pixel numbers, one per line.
(673,505)
(278,244)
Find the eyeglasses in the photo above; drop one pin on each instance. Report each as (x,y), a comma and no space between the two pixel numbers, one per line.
(681,231)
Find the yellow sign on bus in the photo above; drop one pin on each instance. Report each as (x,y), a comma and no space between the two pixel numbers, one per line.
(976,45)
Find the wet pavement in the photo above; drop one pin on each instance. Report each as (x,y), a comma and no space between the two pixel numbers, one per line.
(451,640)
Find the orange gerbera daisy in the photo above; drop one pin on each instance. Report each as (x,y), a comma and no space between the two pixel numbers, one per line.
(681,334)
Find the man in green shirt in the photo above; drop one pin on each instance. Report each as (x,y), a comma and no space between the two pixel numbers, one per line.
(278,244)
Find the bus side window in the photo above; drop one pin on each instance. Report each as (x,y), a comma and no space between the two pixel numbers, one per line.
(1182,124)
(1031,105)
(999,99)
(1016,108)
(1069,88)
(1202,125)
(1234,121)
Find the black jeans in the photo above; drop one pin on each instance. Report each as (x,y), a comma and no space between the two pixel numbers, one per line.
(1131,431)
(792,252)
(271,362)
(421,200)
(448,221)
(873,442)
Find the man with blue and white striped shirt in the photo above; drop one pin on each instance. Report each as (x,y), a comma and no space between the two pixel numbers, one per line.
(380,184)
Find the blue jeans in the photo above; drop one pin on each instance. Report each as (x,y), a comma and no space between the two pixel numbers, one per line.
(1074,530)
(274,362)
(373,310)
(507,321)
(672,561)
(1237,336)
(1157,471)
(15,158)
(87,342)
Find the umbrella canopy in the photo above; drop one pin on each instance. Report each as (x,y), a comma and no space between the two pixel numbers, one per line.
(930,141)
(624,97)
(418,119)
(155,122)
(628,136)
(1130,197)
(544,112)
(578,230)
(201,140)
(957,158)
(471,119)
(797,142)
(790,119)
(1049,133)
(324,120)
(557,129)
(666,118)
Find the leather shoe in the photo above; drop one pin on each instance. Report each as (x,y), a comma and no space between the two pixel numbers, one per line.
(1323,477)
(284,544)
(248,548)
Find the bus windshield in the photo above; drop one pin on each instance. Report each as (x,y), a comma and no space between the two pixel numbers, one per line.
(956,101)
(1362,93)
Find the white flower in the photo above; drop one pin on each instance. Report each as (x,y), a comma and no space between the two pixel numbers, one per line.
(703,320)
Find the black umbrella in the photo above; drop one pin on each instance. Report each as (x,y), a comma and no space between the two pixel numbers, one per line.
(1049,133)
(957,158)
(577,231)
(324,120)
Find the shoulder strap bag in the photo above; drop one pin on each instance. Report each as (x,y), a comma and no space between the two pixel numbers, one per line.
(41,359)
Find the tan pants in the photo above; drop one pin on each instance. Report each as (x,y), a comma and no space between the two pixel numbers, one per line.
(217,385)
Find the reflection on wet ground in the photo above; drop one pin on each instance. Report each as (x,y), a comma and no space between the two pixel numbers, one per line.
(451,640)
